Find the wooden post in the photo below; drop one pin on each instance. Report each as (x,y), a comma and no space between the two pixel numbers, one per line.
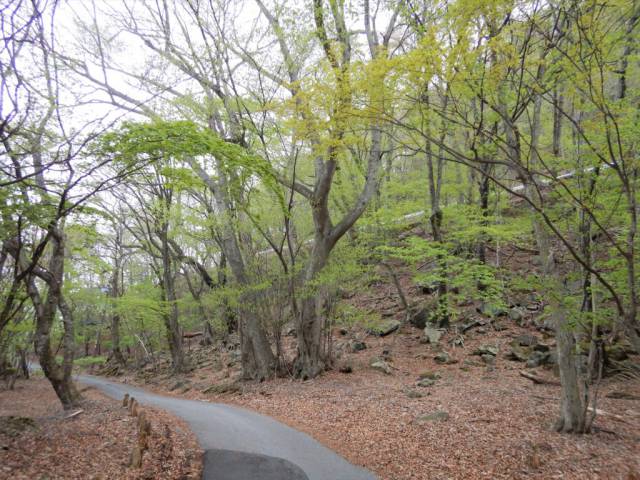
(144,431)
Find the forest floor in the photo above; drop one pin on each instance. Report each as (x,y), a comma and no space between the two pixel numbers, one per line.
(474,417)
(473,421)
(39,441)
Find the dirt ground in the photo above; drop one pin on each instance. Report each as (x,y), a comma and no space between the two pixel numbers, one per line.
(38,441)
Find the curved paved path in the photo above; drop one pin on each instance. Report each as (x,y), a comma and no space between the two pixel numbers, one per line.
(244,445)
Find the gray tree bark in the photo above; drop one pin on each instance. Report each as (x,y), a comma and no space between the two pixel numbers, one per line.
(45,309)
(114,293)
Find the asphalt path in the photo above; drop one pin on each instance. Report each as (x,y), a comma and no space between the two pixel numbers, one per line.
(243,445)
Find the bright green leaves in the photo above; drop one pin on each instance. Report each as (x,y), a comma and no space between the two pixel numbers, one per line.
(160,140)
(436,263)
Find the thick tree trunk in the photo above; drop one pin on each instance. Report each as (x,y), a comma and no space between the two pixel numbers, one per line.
(258,360)
(263,364)
(572,418)
(58,376)
(312,358)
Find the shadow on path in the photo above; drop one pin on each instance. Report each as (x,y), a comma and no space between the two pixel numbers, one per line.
(231,465)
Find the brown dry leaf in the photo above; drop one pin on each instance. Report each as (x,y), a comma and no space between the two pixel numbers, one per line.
(94,445)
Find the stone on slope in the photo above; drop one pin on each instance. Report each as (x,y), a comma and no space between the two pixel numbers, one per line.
(425,382)
(430,375)
(527,340)
(444,358)
(537,359)
(518,353)
(384,328)
(357,346)
(490,310)
(431,335)
(381,366)
(488,359)
(411,393)
(437,416)
(486,350)
(542,347)
(345,367)
(419,318)
(516,315)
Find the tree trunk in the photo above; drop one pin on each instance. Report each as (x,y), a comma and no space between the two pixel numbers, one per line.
(311,359)
(629,182)
(114,293)
(98,347)
(115,339)
(483,191)
(258,360)
(435,219)
(58,376)
(170,317)
(167,280)
(572,418)
(558,101)
(23,363)
(207,331)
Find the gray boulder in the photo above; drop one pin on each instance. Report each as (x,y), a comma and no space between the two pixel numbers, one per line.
(518,353)
(431,335)
(444,358)
(429,375)
(357,346)
(527,340)
(411,393)
(537,359)
(488,359)
(425,382)
(419,318)
(486,350)
(516,315)
(382,366)
(384,328)
(490,310)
